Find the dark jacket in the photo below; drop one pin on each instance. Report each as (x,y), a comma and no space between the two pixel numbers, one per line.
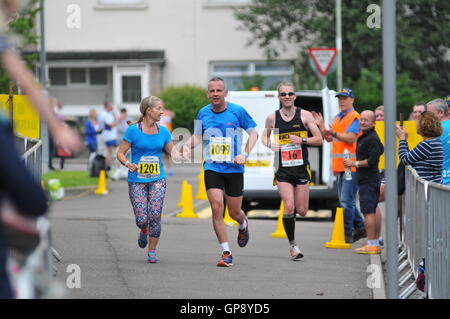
(368,147)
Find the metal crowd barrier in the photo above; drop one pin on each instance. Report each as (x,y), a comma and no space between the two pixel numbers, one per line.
(425,235)
(35,278)
(31,150)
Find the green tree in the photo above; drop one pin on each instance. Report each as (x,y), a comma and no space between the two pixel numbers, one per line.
(22,27)
(423,36)
(185,101)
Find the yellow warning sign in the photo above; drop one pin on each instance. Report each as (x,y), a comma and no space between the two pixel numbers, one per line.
(26,119)
(413,138)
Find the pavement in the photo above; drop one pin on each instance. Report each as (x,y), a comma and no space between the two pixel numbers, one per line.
(98,235)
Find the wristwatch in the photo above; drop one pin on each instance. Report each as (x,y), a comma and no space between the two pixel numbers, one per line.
(245,154)
(304,141)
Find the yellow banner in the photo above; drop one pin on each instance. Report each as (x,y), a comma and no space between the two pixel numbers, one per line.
(26,119)
(413,138)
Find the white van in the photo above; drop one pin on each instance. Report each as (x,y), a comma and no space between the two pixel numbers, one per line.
(259,191)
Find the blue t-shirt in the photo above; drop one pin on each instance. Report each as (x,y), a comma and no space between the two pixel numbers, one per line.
(222,133)
(445,139)
(146,149)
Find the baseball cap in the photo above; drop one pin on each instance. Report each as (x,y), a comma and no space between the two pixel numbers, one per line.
(447,99)
(346,92)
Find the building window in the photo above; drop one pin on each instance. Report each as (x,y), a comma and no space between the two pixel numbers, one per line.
(58,76)
(131,89)
(244,75)
(98,76)
(78,76)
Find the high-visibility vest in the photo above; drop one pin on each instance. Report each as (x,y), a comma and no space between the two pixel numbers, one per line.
(338,147)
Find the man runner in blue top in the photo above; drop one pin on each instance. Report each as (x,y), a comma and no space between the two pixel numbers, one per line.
(220,124)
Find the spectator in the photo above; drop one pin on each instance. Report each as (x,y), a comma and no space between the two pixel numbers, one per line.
(379,113)
(122,125)
(440,108)
(368,152)
(343,133)
(108,124)
(426,158)
(166,121)
(91,129)
(418,108)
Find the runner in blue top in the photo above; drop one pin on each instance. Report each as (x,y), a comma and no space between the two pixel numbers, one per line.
(221,124)
(146,176)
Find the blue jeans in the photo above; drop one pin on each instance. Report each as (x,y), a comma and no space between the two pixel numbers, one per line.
(347,198)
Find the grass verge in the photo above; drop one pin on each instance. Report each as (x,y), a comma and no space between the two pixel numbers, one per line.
(71,178)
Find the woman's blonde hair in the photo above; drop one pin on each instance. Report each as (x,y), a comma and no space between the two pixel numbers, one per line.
(149,101)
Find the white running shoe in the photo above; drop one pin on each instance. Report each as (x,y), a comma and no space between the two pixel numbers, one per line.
(295,253)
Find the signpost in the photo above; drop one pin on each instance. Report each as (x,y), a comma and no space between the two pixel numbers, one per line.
(322,61)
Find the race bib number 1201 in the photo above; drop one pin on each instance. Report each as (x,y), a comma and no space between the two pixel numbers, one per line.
(148,167)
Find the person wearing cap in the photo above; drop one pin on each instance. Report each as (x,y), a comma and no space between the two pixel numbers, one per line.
(343,134)
(440,108)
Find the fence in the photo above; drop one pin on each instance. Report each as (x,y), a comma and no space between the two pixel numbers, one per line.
(425,223)
(31,150)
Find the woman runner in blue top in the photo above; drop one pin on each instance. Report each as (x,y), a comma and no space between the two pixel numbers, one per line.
(146,176)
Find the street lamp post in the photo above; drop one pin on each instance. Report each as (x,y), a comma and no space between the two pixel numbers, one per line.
(339,44)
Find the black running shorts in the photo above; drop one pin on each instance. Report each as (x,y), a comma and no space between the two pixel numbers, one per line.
(233,183)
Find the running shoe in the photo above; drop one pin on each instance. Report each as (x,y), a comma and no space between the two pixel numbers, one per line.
(243,236)
(152,258)
(368,250)
(142,239)
(295,253)
(226,260)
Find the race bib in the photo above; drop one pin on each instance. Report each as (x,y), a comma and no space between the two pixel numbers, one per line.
(148,167)
(220,149)
(291,155)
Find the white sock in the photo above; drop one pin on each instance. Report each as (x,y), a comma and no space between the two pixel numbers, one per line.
(243,225)
(225,247)
(373,242)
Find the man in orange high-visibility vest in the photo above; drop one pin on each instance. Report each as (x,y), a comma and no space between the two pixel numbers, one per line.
(343,134)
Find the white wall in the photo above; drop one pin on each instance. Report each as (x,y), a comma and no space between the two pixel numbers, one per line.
(191,32)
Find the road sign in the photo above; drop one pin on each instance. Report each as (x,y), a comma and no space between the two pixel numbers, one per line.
(323,58)
(26,119)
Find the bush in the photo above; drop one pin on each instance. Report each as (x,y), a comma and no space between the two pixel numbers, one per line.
(185,102)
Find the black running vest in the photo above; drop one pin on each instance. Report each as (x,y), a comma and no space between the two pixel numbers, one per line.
(293,127)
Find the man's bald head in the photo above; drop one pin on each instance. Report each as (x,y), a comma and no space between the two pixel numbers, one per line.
(367,120)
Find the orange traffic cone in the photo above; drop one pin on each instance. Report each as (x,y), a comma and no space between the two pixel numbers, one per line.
(101,189)
(280,232)
(188,204)
(183,190)
(338,236)
(201,193)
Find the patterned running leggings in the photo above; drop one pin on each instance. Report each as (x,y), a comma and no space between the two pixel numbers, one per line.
(147,201)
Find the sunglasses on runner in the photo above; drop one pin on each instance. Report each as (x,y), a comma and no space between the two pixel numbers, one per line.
(284,94)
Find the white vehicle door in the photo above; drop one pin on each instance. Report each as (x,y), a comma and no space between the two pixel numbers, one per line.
(330,109)
(259,168)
